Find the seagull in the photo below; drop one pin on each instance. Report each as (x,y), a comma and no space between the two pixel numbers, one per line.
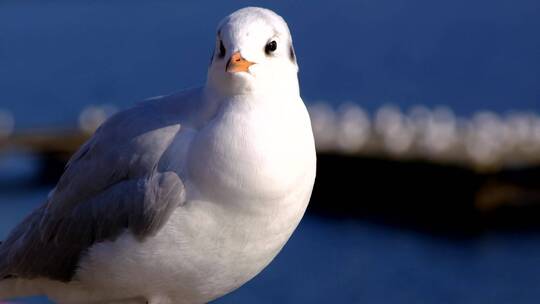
(182,198)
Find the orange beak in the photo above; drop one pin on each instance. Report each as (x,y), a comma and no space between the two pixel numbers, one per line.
(238,64)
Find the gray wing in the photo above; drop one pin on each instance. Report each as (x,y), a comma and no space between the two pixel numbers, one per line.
(117,180)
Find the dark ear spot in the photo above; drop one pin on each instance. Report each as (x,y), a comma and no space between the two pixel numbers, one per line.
(222,49)
(291,54)
(214,51)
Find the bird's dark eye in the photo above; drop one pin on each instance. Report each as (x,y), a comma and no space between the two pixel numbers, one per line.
(221,49)
(270,47)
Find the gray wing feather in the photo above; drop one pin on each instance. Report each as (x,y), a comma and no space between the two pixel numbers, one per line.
(116,181)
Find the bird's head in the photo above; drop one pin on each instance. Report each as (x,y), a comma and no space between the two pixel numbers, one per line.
(253,54)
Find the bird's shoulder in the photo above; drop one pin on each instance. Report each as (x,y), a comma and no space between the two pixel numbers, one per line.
(181,108)
(128,145)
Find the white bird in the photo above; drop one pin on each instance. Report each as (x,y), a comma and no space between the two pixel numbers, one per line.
(182,198)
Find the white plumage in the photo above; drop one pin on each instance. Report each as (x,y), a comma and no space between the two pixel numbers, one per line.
(213,181)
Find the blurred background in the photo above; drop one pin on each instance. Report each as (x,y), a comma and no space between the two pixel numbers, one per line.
(426,117)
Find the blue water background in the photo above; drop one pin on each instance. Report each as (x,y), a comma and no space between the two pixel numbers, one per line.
(57,56)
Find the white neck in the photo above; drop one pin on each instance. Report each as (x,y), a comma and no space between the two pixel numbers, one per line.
(281,81)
